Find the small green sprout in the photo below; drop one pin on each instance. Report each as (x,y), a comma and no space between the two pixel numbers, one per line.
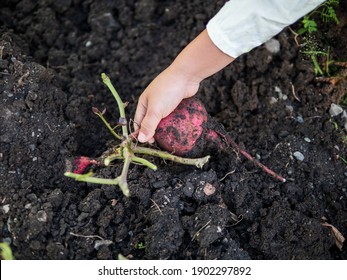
(140,246)
(327,13)
(309,25)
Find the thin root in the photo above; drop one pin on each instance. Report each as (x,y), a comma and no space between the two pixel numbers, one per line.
(296,35)
(294,94)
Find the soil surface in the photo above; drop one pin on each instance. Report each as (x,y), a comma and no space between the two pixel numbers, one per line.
(51,56)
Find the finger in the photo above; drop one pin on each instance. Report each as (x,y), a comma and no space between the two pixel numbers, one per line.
(148,126)
(139,115)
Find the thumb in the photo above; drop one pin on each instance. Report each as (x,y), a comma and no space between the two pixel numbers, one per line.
(148,126)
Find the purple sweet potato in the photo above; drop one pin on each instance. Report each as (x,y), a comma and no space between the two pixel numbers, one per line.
(190,132)
(179,131)
(82,163)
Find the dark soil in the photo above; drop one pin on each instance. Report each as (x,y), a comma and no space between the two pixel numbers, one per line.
(51,56)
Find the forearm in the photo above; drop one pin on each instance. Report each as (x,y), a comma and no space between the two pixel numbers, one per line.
(200,59)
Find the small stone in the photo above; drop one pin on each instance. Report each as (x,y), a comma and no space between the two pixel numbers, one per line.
(278,90)
(41,216)
(299,156)
(273,46)
(284,97)
(300,119)
(28,206)
(6,208)
(209,189)
(99,243)
(308,140)
(335,110)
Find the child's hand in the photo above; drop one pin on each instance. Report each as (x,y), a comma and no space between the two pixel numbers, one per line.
(197,61)
(160,98)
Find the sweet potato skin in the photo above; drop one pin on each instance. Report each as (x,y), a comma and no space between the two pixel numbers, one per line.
(189,131)
(179,132)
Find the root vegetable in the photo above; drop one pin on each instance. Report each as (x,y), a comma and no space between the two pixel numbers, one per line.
(82,163)
(189,131)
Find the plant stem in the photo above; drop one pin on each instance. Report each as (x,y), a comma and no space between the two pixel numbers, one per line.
(120,103)
(111,158)
(144,162)
(102,181)
(123,184)
(232,143)
(198,162)
(108,126)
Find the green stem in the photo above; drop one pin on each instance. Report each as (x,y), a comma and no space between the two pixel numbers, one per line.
(102,181)
(144,162)
(108,126)
(198,162)
(89,179)
(120,103)
(315,53)
(316,65)
(111,158)
(123,184)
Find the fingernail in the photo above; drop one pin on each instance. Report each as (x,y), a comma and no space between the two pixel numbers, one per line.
(141,137)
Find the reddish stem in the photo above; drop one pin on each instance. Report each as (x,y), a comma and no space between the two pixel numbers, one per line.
(232,143)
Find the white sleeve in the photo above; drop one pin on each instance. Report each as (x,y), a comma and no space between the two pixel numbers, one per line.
(242,25)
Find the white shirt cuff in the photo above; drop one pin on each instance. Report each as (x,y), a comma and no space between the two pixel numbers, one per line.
(242,25)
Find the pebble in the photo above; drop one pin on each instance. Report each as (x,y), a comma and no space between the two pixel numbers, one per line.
(278,90)
(99,243)
(209,189)
(89,44)
(273,46)
(300,119)
(299,156)
(6,208)
(41,216)
(335,110)
(284,97)
(308,140)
